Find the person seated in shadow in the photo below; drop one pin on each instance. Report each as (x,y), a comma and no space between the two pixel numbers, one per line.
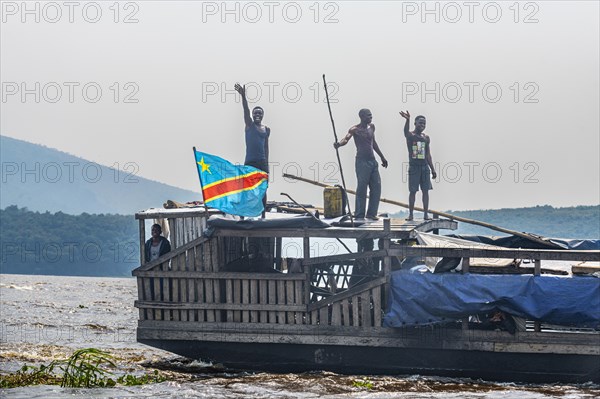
(253,258)
(157,245)
(499,320)
(496,320)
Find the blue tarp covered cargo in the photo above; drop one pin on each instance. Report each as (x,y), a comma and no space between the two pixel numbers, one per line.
(419,299)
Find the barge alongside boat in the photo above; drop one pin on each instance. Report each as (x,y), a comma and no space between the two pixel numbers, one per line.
(306,314)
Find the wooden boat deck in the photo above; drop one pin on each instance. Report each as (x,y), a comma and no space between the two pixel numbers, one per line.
(187,219)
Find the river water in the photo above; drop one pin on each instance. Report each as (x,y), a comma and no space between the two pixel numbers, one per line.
(44,318)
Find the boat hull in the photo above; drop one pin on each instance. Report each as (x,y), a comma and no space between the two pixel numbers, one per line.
(488,355)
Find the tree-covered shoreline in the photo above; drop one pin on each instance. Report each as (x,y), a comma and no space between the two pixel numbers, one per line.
(107,244)
(577,222)
(62,244)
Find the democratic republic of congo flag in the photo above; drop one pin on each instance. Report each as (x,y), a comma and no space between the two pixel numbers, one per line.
(234,189)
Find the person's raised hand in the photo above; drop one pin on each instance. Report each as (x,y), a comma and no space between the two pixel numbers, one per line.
(240,89)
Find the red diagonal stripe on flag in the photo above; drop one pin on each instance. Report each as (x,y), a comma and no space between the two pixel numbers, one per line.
(233,185)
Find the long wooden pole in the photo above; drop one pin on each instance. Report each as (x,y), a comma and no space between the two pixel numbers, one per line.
(443,214)
(201,185)
(337,151)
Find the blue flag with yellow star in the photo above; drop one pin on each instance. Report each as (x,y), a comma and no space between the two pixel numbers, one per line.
(234,189)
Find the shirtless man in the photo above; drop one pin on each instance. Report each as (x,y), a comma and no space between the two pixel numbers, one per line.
(420,163)
(257,137)
(367,172)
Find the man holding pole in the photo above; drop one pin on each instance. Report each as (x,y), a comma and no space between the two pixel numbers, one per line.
(367,172)
(420,162)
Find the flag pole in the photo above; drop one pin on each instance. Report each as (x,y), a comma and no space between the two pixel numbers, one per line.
(201,185)
(337,151)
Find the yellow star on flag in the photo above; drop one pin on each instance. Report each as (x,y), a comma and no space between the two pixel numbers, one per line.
(205,166)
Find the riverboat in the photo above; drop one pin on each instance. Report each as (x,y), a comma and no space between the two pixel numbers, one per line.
(228,293)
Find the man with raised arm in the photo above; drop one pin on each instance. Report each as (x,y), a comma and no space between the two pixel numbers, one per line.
(420,163)
(257,137)
(367,172)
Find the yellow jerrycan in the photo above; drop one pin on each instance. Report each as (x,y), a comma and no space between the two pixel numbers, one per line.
(333,203)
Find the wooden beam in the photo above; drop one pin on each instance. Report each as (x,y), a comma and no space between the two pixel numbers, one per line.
(544,254)
(347,294)
(387,264)
(306,269)
(372,231)
(142,228)
(171,213)
(584,268)
(278,243)
(343,257)
(218,306)
(475,252)
(222,275)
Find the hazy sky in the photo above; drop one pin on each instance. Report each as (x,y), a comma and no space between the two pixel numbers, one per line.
(510,89)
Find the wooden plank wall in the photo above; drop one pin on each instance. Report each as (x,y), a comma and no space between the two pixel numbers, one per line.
(359,306)
(188,286)
(185,229)
(167,283)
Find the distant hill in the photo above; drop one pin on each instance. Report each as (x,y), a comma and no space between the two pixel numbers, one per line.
(44,179)
(547,221)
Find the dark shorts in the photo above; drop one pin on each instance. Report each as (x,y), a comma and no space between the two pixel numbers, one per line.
(262,165)
(419,175)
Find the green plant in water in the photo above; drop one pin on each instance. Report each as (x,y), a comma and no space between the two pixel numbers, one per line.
(30,375)
(129,379)
(362,384)
(85,368)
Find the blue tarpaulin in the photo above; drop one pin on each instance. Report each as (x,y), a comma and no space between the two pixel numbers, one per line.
(420,299)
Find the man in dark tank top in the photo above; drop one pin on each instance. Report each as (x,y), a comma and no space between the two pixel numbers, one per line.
(257,137)
(420,163)
(367,173)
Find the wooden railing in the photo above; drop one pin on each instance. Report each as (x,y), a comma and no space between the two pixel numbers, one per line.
(168,280)
(187,284)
